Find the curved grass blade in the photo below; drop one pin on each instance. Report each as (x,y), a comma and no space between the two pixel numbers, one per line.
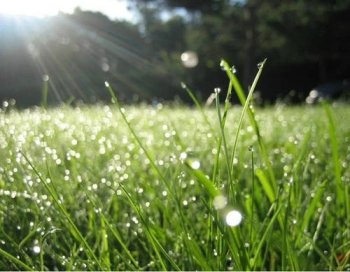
(207,183)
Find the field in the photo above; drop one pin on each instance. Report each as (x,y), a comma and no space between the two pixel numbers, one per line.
(81,189)
(162,187)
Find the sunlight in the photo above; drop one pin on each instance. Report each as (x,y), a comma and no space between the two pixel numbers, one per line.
(43,8)
(36,8)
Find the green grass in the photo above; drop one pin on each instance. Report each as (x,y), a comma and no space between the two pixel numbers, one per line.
(149,188)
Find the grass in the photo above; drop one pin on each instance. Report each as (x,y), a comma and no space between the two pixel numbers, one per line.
(152,188)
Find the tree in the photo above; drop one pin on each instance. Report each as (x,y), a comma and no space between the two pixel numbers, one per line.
(306,42)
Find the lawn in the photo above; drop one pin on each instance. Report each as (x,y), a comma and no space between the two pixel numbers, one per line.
(165,187)
(81,189)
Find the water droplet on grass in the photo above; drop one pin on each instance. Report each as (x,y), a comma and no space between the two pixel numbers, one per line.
(233,69)
(233,218)
(36,249)
(183,156)
(220,202)
(45,77)
(222,65)
(217,90)
(195,164)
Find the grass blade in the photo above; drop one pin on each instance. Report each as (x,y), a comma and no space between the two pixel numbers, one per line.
(206,182)
(15,260)
(266,185)
(342,199)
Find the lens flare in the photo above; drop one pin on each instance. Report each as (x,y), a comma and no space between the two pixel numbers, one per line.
(189,59)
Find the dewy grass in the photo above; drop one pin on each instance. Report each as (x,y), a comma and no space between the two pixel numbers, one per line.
(147,188)
(63,212)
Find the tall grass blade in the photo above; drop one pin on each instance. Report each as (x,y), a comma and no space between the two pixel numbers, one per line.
(242,99)
(342,198)
(245,107)
(266,185)
(198,106)
(137,139)
(224,143)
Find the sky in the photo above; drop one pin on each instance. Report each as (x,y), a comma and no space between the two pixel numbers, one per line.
(114,9)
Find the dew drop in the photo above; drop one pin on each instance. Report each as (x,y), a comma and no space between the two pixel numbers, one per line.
(220,202)
(259,65)
(222,65)
(183,85)
(195,164)
(107,84)
(36,249)
(233,218)
(233,69)
(183,156)
(45,77)
(189,59)
(217,90)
